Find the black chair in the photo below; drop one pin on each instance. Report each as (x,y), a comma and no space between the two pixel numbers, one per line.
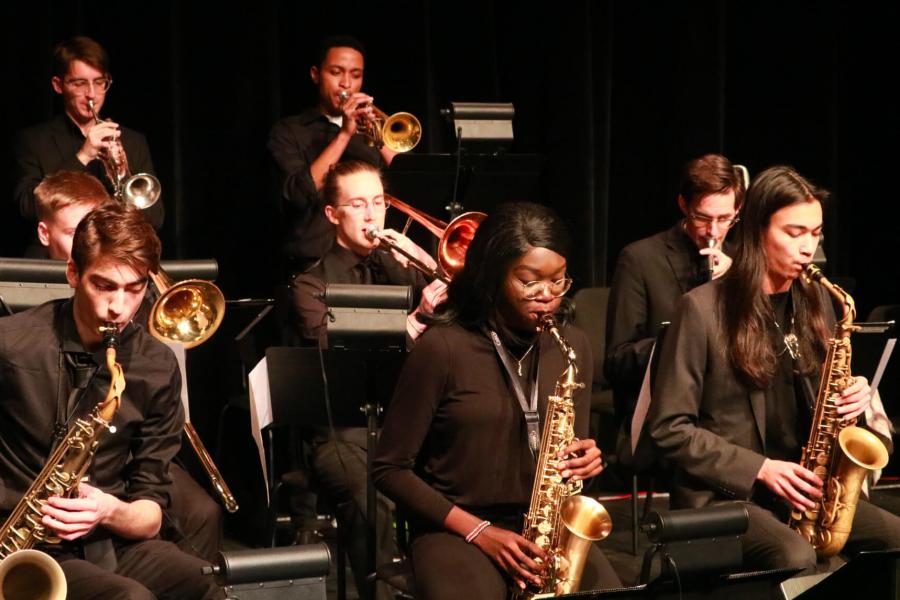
(590,317)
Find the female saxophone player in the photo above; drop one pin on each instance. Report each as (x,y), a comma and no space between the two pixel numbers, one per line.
(454,452)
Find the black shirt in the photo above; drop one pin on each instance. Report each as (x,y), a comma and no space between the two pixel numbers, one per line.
(455,433)
(295,143)
(39,351)
(340,265)
(52,146)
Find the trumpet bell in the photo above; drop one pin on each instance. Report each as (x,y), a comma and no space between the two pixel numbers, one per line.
(141,190)
(188,312)
(454,242)
(401,132)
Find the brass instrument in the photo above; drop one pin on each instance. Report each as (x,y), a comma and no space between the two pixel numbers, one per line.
(560,520)
(190,312)
(399,132)
(141,190)
(374,233)
(838,452)
(711,259)
(30,574)
(453,238)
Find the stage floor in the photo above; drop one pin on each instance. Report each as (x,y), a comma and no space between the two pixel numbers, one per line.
(618,546)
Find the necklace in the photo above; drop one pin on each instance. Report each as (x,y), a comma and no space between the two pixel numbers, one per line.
(520,360)
(791,343)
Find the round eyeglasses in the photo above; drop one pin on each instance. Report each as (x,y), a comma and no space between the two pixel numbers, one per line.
(81,86)
(534,289)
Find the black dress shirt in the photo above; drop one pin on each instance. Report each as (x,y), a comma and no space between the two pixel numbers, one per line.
(52,146)
(295,143)
(42,360)
(340,265)
(455,434)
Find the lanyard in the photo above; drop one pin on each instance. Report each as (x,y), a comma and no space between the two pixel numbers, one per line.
(529,408)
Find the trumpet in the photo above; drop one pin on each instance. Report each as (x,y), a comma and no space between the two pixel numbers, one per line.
(141,190)
(399,132)
(190,312)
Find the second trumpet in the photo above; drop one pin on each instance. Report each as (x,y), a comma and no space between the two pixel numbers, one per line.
(141,190)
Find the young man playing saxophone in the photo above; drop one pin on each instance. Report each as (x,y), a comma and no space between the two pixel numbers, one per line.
(52,371)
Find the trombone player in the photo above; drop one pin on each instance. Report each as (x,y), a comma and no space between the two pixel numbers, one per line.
(74,140)
(306,145)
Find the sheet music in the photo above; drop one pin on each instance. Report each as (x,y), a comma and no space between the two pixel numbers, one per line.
(882,364)
(260,413)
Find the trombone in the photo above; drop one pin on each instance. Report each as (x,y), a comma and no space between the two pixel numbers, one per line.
(141,190)
(399,132)
(453,238)
(190,312)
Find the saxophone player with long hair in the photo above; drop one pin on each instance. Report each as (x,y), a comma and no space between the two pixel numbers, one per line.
(737,375)
(459,443)
(53,372)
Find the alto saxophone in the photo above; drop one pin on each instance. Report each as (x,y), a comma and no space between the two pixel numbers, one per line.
(838,452)
(28,573)
(560,520)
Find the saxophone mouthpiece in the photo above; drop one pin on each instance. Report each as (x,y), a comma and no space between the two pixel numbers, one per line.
(110,333)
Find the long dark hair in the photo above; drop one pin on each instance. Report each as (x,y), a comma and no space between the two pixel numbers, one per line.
(510,231)
(746,309)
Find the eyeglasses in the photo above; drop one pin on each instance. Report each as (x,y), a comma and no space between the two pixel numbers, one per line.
(703,220)
(358,204)
(101,85)
(557,288)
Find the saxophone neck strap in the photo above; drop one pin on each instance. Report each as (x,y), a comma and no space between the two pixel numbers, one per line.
(529,405)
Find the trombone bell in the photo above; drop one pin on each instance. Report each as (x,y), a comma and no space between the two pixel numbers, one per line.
(188,312)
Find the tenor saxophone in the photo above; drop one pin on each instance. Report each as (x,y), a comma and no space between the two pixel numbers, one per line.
(560,520)
(32,574)
(840,453)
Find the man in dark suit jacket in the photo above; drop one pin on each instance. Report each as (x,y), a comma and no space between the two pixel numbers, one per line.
(652,274)
(73,140)
(730,407)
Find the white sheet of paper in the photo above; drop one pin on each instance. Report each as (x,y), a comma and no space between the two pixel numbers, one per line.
(260,413)
(177,349)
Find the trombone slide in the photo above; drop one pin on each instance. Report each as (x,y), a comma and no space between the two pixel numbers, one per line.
(215,477)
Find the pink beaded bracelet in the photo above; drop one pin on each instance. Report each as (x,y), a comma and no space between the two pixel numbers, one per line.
(477,531)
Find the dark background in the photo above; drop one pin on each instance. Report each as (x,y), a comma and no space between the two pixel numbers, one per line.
(616,95)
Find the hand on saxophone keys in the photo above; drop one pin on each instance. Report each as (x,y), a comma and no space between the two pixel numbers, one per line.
(792,482)
(72,518)
(585,460)
(855,398)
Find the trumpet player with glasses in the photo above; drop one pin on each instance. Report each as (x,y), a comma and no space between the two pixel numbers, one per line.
(77,139)
(459,448)
(735,409)
(306,145)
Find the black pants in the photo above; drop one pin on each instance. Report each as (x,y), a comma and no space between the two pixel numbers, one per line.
(340,471)
(770,544)
(193,520)
(447,568)
(145,570)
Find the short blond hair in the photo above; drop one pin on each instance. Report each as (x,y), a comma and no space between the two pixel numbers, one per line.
(66,188)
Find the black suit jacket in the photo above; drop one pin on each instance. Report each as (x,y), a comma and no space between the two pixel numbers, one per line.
(709,425)
(650,277)
(49,147)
